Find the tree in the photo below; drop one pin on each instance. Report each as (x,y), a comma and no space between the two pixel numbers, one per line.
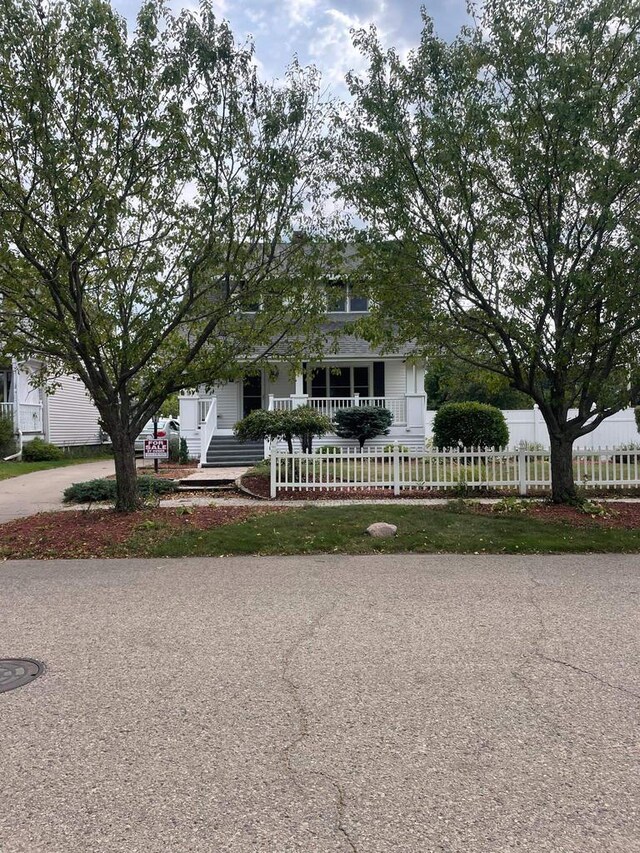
(500,178)
(303,423)
(451,380)
(150,188)
(362,423)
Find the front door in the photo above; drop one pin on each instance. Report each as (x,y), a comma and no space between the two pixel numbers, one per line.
(251,394)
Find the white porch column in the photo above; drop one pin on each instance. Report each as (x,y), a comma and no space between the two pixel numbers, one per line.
(299,392)
(416,412)
(189,412)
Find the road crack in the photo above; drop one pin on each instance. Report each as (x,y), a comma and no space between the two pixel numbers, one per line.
(294,689)
(536,651)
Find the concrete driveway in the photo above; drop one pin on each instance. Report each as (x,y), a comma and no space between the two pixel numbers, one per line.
(41,491)
(390,703)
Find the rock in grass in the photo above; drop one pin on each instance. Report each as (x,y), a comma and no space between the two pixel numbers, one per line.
(382,530)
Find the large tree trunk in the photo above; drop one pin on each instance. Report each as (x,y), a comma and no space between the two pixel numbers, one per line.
(563,487)
(127,496)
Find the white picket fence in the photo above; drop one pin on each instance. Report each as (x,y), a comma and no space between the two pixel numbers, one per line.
(458,469)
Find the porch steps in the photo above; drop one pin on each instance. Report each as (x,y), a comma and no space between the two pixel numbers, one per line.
(225,451)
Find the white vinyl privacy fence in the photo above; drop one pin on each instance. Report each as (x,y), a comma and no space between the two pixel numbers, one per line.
(456,469)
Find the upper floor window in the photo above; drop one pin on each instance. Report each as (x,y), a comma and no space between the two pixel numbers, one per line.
(344,297)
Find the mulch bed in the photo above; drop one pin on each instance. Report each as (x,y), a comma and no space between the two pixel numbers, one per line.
(617,515)
(104,532)
(258,484)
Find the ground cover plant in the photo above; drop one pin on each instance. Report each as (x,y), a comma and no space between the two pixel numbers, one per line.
(457,527)
(106,489)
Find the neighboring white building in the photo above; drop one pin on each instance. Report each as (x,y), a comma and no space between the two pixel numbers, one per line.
(66,417)
(354,375)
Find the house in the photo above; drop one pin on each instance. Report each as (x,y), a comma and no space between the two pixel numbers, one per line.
(355,374)
(65,417)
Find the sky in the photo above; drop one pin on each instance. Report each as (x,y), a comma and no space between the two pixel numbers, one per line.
(318,30)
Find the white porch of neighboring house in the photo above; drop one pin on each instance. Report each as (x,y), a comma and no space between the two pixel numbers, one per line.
(397,384)
(64,416)
(20,401)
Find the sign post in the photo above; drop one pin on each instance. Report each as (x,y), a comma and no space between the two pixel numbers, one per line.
(155,435)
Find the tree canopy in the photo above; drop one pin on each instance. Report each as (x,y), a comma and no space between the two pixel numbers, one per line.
(150,189)
(499,177)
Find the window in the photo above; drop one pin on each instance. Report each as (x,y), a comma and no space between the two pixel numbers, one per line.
(343,297)
(5,386)
(338,381)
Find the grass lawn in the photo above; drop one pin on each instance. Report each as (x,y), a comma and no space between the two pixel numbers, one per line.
(426,530)
(16,469)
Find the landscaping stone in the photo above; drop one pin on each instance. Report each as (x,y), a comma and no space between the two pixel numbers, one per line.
(382,530)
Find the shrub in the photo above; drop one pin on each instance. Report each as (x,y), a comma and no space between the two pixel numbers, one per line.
(105,490)
(174,449)
(303,423)
(183,455)
(7,438)
(469,425)
(38,450)
(260,425)
(636,412)
(306,423)
(363,423)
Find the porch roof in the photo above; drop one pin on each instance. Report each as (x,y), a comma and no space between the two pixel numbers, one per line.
(347,345)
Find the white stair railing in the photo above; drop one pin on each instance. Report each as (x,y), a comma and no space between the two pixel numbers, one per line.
(208,429)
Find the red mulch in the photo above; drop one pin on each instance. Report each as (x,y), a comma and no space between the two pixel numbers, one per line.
(617,515)
(104,532)
(258,484)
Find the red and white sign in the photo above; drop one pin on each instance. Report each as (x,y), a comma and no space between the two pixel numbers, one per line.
(156,448)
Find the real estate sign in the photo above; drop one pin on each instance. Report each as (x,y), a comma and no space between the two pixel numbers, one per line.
(156,448)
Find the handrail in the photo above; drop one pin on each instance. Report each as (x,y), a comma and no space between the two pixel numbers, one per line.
(208,429)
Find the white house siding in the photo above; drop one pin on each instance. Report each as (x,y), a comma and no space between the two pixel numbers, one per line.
(71,416)
(282,386)
(227,396)
(394,378)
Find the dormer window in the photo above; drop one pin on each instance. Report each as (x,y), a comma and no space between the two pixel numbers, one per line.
(342,297)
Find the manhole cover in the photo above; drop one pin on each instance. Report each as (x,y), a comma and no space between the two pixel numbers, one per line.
(15,672)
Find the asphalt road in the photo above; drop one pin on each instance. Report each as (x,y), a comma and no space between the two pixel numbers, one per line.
(416,703)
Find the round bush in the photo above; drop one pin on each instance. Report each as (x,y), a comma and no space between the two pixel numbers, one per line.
(469,425)
(38,450)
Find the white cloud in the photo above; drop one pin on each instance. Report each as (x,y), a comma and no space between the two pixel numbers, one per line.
(299,12)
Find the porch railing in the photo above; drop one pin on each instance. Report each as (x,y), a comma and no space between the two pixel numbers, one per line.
(330,405)
(6,410)
(203,407)
(30,415)
(208,428)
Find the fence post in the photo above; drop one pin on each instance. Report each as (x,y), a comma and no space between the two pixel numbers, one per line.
(272,484)
(396,468)
(522,470)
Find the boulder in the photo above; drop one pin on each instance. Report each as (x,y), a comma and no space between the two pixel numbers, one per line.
(382,530)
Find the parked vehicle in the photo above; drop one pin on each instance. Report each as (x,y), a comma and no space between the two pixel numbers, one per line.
(167,428)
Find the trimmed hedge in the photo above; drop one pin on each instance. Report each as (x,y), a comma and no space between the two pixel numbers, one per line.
(38,450)
(105,490)
(363,422)
(469,425)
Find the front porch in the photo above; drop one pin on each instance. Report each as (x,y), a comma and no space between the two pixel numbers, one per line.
(207,419)
(17,403)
